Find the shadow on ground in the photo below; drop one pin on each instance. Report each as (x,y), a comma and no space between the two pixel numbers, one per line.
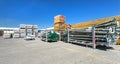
(49,41)
(104,48)
(30,39)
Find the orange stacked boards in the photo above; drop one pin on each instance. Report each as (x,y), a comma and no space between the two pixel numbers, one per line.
(59,22)
(59,19)
(118,41)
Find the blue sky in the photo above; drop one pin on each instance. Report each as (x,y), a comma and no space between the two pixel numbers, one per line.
(42,12)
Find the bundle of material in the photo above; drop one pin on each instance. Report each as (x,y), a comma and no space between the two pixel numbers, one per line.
(105,33)
(108,29)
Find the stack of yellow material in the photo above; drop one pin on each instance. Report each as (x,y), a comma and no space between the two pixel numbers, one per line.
(5,32)
(59,19)
(59,22)
(59,27)
(94,22)
(118,41)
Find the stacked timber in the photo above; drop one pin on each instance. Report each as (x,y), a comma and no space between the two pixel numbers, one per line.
(59,22)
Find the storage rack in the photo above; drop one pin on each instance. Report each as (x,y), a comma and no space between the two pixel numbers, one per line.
(102,34)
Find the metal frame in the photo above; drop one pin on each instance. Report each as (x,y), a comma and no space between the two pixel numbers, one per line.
(105,33)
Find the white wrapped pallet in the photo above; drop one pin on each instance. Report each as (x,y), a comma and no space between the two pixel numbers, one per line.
(22,35)
(35,26)
(16,31)
(35,30)
(22,30)
(30,37)
(29,30)
(29,33)
(22,25)
(29,26)
(16,35)
(11,32)
(5,36)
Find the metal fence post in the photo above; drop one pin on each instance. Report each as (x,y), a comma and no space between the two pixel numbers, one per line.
(68,36)
(93,37)
(46,36)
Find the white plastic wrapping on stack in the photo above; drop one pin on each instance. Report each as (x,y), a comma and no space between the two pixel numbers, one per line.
(22,25)
(22,35)
(29,30)
(35,30)
(29,26)
(16,34)
(5,36)
(22,30)
(35,26)
(29,33)
(16,31)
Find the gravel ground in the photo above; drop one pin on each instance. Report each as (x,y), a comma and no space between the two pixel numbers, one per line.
(20,51)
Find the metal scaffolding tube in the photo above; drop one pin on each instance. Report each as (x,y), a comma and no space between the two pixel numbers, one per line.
(102,34)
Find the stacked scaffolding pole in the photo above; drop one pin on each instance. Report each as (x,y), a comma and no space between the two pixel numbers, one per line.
(102,34)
